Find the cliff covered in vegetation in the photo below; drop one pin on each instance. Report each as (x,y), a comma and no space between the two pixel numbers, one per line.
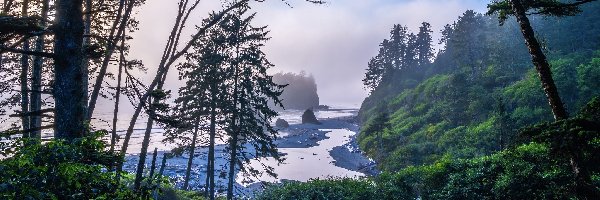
(481,88)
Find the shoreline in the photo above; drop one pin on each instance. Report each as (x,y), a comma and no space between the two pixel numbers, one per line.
(296,136)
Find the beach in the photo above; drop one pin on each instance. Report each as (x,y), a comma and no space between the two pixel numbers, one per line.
(310,151)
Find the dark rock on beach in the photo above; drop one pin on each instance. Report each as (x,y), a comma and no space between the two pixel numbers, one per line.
(309,117)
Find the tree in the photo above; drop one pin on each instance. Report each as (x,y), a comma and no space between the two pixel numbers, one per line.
(25,120)
(520,9)
(36,76)
(423,43)
(69,83)
(380,67)
(252,88)
(170,55)
(397,46)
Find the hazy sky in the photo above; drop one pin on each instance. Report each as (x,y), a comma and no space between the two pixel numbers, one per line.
(333,42)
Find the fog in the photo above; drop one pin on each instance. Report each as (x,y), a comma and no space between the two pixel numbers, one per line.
(333,42)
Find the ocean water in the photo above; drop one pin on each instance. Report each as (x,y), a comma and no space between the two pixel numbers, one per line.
(302,164)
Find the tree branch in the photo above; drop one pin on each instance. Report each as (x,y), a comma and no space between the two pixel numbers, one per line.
(33,53)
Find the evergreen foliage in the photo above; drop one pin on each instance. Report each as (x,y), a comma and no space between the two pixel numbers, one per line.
(470,106)
(533,168)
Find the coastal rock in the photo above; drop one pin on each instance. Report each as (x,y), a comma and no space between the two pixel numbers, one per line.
(309,117)
(281,123)
(322,107)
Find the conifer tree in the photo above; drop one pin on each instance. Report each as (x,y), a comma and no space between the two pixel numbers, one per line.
(423,43)
(520,9)
(251,89)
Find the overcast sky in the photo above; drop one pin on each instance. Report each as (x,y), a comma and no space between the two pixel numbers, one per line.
(333,42)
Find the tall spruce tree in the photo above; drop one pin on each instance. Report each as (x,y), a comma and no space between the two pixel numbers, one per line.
(251,88)
(423,44)
(205,91)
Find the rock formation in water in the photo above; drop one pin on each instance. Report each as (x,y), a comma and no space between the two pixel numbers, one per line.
(300,92)
(281,123)
(309,117)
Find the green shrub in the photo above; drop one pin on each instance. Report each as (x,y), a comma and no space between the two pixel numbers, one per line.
(61,170)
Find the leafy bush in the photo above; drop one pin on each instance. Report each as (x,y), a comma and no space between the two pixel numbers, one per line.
(335,188)
(61,170)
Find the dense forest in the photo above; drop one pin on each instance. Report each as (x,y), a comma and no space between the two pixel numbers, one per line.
(478,91)
(506,105)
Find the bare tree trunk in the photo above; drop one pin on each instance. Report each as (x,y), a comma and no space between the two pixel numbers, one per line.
(24,78)
(143,153)
(232,162)
(118,27)
(69,86)
(87,30)
(540,62)
(147,135)
(211,149)
(191,156)
(36,77)
(160,174)
(207,183)
(153,166)
(235,122)
(113,138)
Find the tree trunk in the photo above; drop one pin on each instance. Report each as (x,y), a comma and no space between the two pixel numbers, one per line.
(211,149)
(160,174)
(232,162)
(143,153)
(36,78)
(146,141)
(153,166)
(539,61)
(207,183)
(113,138)
(235,121)
(24,78)
(191,156)
(87,30)
(69,86)
(117,27)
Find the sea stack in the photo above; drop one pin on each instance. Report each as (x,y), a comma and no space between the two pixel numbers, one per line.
(309,117)
(281,123)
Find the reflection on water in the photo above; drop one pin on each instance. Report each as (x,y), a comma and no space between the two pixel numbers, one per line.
(303,164)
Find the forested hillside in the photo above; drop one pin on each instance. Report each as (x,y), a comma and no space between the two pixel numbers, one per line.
(476,121)
(471,99)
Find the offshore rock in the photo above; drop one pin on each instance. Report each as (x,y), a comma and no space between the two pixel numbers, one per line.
(309,117)
(281,123)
